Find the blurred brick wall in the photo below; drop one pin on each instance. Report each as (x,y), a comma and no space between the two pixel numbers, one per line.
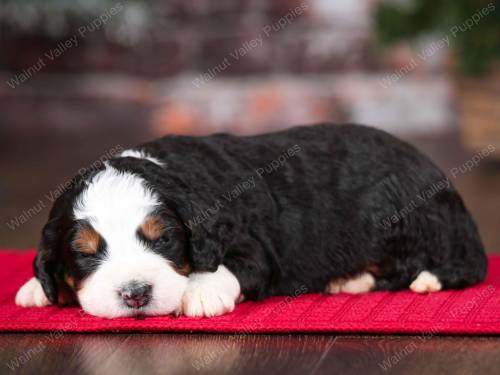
(298,36)
(233,65)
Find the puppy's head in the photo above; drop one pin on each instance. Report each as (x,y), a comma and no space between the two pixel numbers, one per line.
(115,245)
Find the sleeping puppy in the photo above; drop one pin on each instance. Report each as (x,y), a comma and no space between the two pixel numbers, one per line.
(193,225)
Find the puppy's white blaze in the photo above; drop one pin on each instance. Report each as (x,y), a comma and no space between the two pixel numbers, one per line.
(426,282)
(211,293)
(116,204)
(115,201)
(31,294)
(141,155)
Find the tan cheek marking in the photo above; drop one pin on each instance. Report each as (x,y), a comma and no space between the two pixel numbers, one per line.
(152,228)
(70,281)
(66,295)
(87,240)
(184,270)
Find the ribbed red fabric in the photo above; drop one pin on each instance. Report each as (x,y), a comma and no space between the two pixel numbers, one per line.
(474,310)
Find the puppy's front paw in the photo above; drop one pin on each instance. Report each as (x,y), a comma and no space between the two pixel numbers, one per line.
(204,300)
(31,294)
(210,293)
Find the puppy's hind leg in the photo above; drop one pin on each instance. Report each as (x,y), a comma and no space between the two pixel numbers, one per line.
(361,283)
(426,282)
(453,275)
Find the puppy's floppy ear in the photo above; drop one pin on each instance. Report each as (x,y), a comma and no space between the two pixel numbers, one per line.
(48,265)
(45,265)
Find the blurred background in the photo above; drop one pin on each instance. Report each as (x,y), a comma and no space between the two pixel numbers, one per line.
(83,79)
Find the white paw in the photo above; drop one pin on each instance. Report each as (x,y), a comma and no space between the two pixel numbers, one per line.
(210,293)
(333,287)
(31,294)
(203,300)
(426,282)
(359,284)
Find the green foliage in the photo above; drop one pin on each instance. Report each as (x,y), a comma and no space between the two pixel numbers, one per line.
(472,25)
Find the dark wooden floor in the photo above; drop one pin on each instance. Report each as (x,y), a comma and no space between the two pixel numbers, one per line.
(25,160)
(257,354)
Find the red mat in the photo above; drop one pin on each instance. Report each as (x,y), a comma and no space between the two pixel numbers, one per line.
(472,311)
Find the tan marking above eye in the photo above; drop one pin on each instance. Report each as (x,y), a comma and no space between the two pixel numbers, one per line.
(87,240)
(152,228)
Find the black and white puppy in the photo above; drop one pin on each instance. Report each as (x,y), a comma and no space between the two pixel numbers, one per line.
(194,225)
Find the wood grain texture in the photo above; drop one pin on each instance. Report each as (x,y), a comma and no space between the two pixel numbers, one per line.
(248,354)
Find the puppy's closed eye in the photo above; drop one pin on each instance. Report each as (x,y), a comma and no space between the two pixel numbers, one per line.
(87,240)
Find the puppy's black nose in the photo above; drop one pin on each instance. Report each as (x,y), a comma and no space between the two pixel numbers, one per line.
(136,294)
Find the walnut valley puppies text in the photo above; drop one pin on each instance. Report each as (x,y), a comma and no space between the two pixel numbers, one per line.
(472,162)
(49,197)
(433,189)
(244,185)
(250,45)
(66,45)
(278,163)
